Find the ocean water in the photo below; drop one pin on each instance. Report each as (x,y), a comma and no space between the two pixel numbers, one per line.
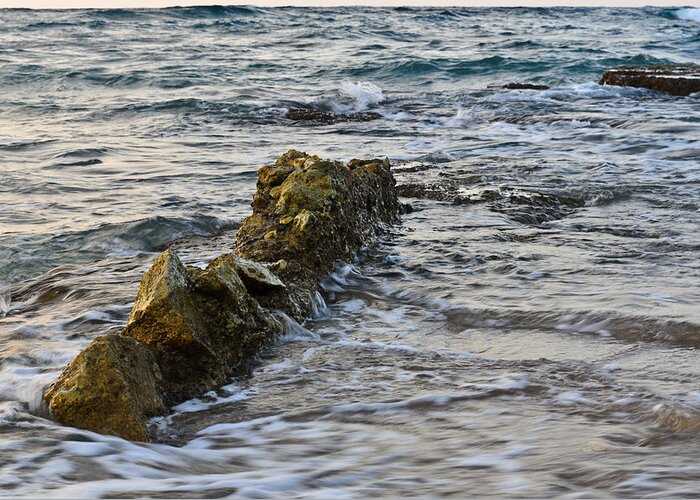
(530,329)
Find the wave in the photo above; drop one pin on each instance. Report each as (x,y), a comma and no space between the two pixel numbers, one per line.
(149,235)
(688,14)
(184,105)
(22,145)
(452,67)
(114,239)
(214,11)
(365,94)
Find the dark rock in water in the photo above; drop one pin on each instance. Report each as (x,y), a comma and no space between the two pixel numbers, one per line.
(524,207)
(112,387)
(312,115)
(431,191)
(81,163)
(191,329)
(675,80)
(525,86)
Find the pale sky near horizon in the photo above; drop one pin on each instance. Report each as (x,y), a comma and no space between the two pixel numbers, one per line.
(69,4)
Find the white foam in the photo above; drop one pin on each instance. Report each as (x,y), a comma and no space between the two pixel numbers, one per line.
(231,393)
(365,94)
(570,398)
(5,302)
(688,14)
(460,118)
(291,330)
(319,307)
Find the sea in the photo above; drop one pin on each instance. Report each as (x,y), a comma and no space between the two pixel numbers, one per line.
(530,329)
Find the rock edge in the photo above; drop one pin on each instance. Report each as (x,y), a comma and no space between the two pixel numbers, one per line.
(674,80)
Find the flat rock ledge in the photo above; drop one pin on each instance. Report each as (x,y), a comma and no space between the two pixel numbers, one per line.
(191,329)
(674,80)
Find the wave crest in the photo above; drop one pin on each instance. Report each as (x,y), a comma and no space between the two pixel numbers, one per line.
(688,14)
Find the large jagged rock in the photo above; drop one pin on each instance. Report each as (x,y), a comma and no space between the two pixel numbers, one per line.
(201,323)
(675,80)
(191,329)
(112,387)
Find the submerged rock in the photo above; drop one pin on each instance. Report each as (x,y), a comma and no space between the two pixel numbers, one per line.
(675,80)
(112,387)
(525,207)
(313,115)
(525,86)
(191,329)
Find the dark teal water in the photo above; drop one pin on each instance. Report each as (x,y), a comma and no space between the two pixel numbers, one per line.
(538,339)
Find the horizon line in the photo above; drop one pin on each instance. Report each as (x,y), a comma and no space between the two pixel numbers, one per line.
(281,4)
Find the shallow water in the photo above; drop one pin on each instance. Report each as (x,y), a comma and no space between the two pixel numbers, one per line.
(530,329)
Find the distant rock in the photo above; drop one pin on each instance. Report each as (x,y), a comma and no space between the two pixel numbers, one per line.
(325,117)
(525,86)
(191,329)
(675,80)
(525,207)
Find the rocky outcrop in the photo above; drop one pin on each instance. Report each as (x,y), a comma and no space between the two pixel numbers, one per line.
(191,329)
(675,80)
(309,212)
(325,117)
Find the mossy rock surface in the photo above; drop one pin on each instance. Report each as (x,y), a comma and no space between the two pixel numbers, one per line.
(112,387)
(313,211)
(191,329)
(202,324)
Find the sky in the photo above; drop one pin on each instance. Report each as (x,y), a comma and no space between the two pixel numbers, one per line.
(63,4)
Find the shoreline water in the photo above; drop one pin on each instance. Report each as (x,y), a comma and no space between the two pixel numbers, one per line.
(529,330)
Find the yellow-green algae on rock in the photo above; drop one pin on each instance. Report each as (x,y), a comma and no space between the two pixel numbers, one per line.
(112,387)
(191,329)
(311,212)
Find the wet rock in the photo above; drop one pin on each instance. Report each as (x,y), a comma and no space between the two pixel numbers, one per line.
(311,212)
(430,191)
(325,117)
(520,206)
(202,324)
(256,277)
(191,329)
(112,387)
(525,86)
(675,80)
(531,208)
